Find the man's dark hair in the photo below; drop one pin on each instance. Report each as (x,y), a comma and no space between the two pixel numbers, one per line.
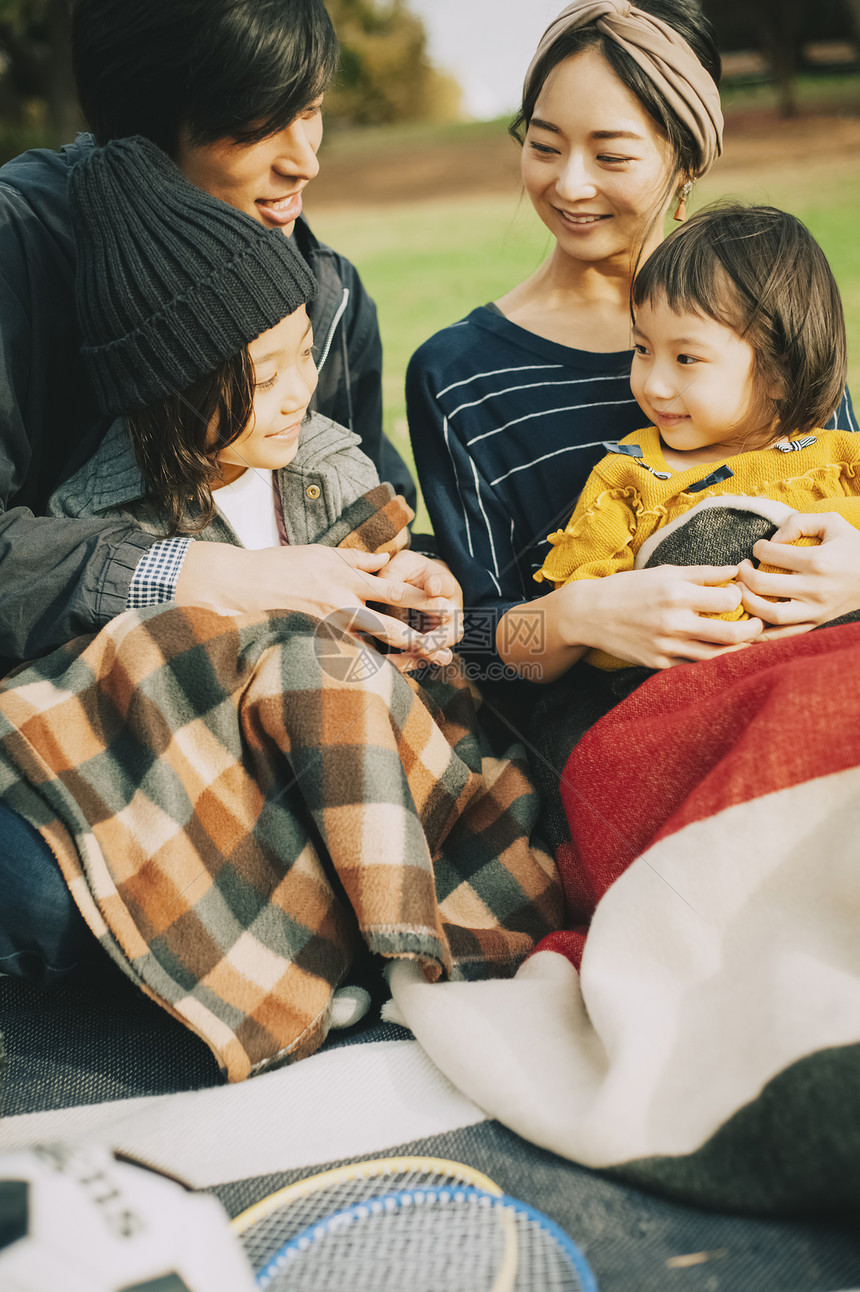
(760,272)
(219,69)
(176,442)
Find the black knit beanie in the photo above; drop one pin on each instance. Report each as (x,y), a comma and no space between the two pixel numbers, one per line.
(170,281)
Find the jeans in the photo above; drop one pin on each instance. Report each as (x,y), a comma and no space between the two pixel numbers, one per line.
(43,935)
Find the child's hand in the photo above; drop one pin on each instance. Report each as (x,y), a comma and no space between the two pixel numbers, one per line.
(819,583)
(440,617)
(427,603)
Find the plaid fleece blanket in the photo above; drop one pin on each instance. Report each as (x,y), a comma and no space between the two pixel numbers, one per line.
(238,802)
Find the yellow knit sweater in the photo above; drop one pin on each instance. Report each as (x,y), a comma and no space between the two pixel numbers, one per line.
(624,502)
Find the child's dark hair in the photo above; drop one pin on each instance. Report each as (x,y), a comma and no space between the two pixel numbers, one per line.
(238,69)
(176,441)
(760,272)
(687,19)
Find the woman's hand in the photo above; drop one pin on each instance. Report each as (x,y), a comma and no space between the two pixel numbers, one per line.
(655,617)
(821,582)
(652,617)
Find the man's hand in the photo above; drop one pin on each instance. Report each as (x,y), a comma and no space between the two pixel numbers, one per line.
(321,581)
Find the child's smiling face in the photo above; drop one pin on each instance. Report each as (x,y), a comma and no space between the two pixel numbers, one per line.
(694,379)
(285,378)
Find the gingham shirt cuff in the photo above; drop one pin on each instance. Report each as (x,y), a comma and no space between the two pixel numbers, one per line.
(157,573)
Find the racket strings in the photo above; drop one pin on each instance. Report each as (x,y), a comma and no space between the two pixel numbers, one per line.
(461,1240)
(268,1226)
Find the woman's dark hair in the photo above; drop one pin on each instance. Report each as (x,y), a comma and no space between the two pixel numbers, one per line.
(761,273)
(177,440)
(218,69)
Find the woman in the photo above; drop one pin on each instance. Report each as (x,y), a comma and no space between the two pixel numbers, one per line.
(509,409)
(709,804)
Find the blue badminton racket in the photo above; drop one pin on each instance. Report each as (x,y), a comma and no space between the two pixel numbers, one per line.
(456,1239)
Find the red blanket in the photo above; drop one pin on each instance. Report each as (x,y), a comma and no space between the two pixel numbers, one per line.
(692,741)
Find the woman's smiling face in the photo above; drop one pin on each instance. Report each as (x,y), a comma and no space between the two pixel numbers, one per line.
(594,163)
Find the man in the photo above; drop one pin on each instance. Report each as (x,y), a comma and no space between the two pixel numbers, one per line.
(232,89)
(233,92)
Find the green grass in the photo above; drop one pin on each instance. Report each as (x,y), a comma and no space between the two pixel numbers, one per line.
(373,141)
(427,265)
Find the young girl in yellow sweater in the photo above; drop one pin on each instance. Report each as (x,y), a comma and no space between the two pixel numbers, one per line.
(740,360)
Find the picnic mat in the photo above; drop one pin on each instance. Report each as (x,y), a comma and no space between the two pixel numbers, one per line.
(673,1081)
(98,1062)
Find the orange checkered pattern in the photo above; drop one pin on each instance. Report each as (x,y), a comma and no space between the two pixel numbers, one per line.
(234,814)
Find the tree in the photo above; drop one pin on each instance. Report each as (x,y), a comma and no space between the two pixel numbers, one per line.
(35,42)
(779,25)
(853,7)
(385,74)
(778,29)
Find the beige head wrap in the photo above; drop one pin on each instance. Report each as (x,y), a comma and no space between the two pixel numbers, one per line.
(663,55)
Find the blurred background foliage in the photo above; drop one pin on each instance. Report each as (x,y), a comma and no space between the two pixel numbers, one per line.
(386,74)
(429,206)
(37,92)
(790,36)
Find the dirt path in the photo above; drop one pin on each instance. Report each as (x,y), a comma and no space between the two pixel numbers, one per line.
(401,171)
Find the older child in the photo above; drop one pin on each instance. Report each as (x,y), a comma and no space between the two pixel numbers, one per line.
(196,330)
(739,360)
